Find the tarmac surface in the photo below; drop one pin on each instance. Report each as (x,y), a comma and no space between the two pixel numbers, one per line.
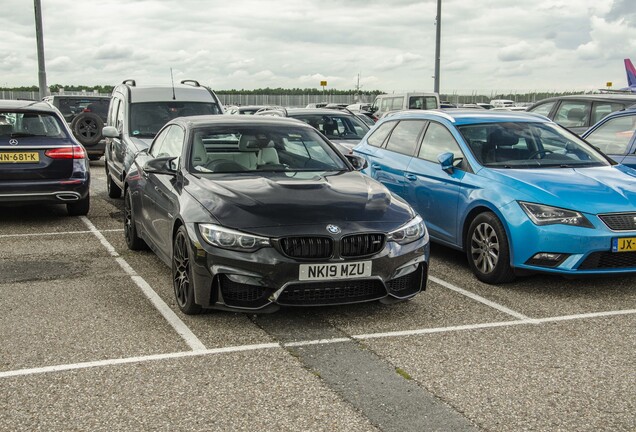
(91,339)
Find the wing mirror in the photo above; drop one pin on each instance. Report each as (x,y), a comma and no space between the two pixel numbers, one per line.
(359,163)
(110,132)
(446,161)
(162,165)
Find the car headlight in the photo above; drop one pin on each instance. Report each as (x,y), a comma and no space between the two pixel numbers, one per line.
(541,214)
(230,239)
(411,231)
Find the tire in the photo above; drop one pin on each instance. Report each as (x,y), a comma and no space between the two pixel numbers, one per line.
(87,128)
(488,251)
(79,208)
(133,241)
(94,157)
(182,280)
(114,191)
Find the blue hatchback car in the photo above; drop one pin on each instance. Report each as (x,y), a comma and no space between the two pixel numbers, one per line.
(514,190)
(615,135)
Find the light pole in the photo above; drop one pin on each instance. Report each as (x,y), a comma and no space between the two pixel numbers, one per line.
(438,34)
(44,90)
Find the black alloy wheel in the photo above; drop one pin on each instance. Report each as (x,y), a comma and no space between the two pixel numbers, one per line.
(87,128)
(133,241)
(488,251)
(182,274)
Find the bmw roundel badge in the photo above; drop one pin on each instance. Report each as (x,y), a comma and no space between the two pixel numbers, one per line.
(333,229)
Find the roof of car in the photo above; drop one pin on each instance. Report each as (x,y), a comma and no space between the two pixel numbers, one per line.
(161,93)
(26,104)
(329,111)
(468,116)
(211,120)
(601,96)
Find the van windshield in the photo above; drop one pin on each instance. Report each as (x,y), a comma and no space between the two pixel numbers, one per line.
(146,119)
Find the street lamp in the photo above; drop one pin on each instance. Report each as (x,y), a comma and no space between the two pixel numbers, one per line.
(438,34)
(44,90)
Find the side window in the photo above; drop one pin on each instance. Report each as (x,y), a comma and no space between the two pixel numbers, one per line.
(120,116)
(601,109)
(173,144)
(430,103)
(438,140)
(404,137)
(157,146)
(112,112)
(572,114)
(385,104)
(416,102)
(543,109)
(377,138)
(397,103)
(613,136)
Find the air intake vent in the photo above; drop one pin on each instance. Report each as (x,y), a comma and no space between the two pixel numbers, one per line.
(307,247)
(359,245)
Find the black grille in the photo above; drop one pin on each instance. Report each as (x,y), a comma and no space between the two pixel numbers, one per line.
(333,292)
(243,295)
(604,260)
(361,245)
(307,247)
(620,222)
(409,284)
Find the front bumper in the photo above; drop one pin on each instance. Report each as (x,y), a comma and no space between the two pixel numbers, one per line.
(267,279)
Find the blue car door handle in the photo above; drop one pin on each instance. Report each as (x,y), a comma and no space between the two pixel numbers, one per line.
(376,167)
(410,177)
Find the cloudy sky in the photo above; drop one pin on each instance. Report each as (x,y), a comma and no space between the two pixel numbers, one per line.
(487,45)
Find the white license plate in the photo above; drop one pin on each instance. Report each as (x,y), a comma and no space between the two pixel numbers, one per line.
(334,271)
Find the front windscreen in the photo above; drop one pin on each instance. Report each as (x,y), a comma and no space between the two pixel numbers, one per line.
(27,126)
(146,119)
(528,145)
(335,126)
(260,148)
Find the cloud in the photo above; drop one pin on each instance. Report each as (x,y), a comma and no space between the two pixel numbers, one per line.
(398,61)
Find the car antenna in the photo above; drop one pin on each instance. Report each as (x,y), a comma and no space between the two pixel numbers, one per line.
(174,97)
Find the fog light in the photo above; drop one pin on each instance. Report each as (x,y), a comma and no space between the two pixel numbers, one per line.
(547,259)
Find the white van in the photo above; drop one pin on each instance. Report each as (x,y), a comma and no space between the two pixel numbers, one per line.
(403,101)
(502,103)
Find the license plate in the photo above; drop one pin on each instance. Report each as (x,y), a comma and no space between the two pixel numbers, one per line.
(627,244)
(334,271)
(20,157)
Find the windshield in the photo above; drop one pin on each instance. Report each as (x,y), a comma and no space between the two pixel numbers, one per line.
(335,126)
(241,148)
(146,119)
(30,124)
(613,136)
(528,145)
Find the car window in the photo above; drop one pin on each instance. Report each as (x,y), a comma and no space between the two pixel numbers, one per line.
(572,113)
(378,136)
(528,145)
(336,126)
(601,109)
(261,148)
(404,137)
(544,108)
(120,117)
(422,102)
(147,118)
(385,104)
(438,140)
(397,103)
(157,145)
(112,112)
(613,136)
(26,127)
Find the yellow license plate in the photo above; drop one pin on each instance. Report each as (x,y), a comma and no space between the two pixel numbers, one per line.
(20,157)
(627,244)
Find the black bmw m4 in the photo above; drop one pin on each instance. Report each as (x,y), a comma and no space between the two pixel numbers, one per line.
(254,214)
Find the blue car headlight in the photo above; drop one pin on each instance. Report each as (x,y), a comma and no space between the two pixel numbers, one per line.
(409,232)
(230,239)
(541,214)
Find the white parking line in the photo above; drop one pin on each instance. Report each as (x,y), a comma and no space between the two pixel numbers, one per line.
(57,233)
(258,347)
(480,299)
(179,326)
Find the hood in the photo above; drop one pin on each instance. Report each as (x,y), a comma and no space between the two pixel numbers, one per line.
(590,190)
(348,199)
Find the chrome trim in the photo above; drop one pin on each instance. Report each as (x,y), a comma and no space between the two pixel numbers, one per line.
(43,194)
(49,147)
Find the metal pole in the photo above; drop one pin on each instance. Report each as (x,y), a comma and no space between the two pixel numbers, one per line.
(44,90)
(438,35)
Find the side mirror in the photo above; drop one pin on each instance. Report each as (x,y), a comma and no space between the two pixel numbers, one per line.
(110,132)
(162,165)
(446,161)
(358,162)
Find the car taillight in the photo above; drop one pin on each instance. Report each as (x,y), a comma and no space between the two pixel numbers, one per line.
(86,110)
(75,152)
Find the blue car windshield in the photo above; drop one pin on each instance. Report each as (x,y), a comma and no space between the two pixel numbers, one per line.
(528,145)
(259,148)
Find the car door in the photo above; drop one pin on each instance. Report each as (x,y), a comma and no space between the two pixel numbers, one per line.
(389,163)
(434,193)
(163,189)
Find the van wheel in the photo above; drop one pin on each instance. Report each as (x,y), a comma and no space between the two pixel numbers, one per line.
(114,191)
(488,251)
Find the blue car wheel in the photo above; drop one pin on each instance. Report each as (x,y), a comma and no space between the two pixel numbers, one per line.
(488,250)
